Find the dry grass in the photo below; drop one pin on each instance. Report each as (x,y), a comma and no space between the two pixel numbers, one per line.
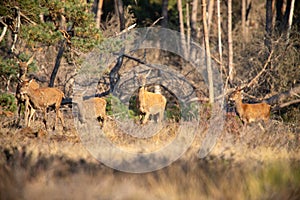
(243,165)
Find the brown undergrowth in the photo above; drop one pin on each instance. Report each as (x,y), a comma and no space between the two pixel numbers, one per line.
(245,164)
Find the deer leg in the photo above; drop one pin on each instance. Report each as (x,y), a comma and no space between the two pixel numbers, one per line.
(102,118)
(261,127)
(59,114)
(32,111)
(19,112)
(26,112)
(146,117)
(244,125)
(56,117)
(45,118)
(266,122)
(161,116)
(101,121)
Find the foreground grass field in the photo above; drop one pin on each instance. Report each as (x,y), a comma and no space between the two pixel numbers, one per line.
(248,164)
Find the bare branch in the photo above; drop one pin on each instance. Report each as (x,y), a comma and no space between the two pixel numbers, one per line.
(4,30)
(254,80)
(27,19)
(156,21)
(127,29)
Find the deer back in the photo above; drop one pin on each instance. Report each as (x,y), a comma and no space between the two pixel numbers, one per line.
(42,97)
(251,112)
(99,104)
(151,102)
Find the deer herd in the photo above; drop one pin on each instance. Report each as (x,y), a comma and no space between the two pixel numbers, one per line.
(34,97)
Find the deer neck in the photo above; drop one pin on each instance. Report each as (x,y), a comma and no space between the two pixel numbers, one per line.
(142,98)
(239,103)
(34,94)
(142,92)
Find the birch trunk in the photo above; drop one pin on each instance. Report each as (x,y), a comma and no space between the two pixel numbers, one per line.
(230,49)
(207,50)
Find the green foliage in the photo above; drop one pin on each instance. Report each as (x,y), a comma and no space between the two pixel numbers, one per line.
(24,58)
(146,17)
(8,68)
(173,113)
(133,107)
(7,101)
(41,33)
(116,108)
(57,16)
(191,111)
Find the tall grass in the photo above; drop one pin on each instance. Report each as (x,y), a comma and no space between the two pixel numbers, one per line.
(243,165)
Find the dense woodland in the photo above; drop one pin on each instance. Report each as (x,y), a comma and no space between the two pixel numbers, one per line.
(253,44)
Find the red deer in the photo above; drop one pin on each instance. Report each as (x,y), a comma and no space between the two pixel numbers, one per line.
(42,98)
(100,108)
(21,99)
(29,110)
(251,112)
(149,102)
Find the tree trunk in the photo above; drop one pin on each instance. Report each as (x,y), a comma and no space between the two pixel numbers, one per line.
(290,21)
(120,12)
(3,32)
(181,25)
(194,18)
(230,49)
(188,26)
(220,37)
(57,63)
(244,21)
(287,7)
(269,26)
(16,29)
(208,57)
(164,22)
(98,12)
(210,13)
(279,13)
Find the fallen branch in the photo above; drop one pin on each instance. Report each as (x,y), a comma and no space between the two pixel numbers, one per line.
(277,98)
(285,105)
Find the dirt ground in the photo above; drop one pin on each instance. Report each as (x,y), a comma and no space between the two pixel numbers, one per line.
(248,163)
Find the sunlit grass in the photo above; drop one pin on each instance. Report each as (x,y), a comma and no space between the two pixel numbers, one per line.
(243,165)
